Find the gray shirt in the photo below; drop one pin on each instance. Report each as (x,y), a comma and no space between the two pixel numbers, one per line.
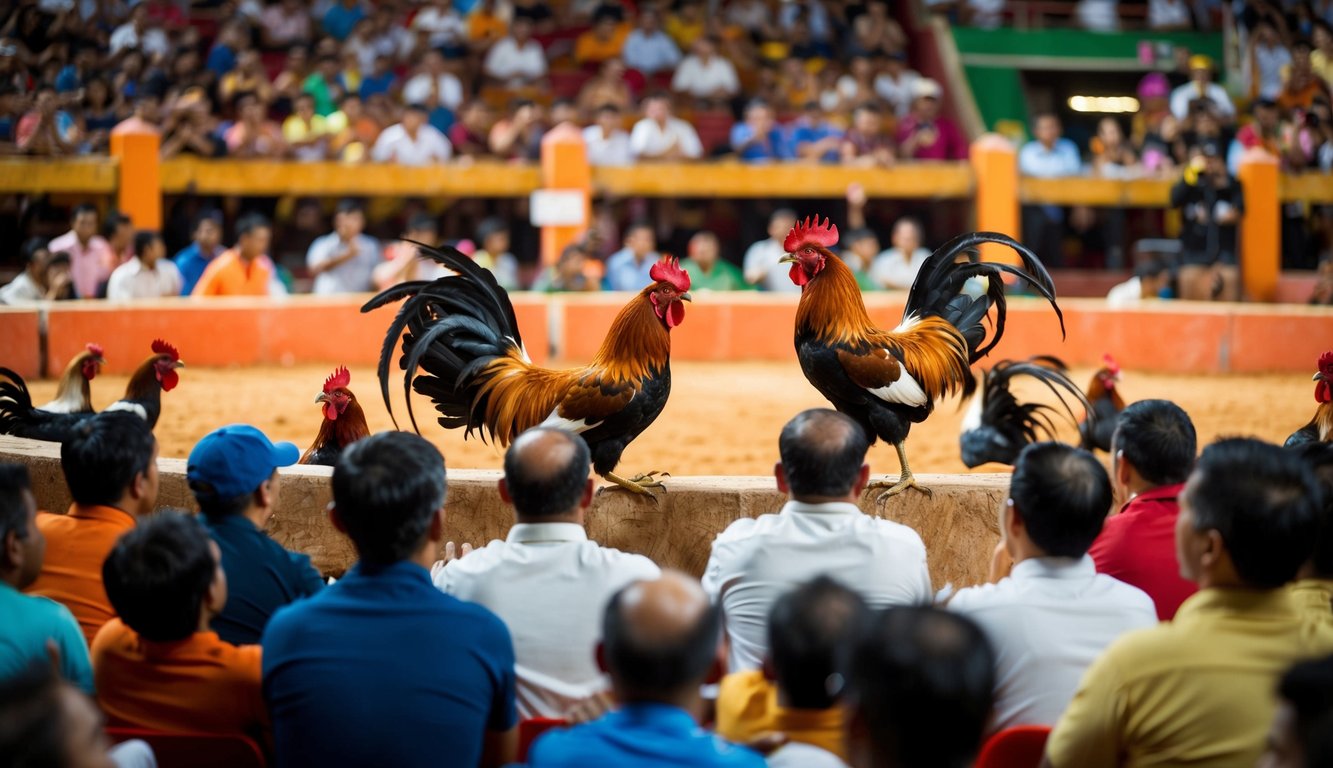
(349,277)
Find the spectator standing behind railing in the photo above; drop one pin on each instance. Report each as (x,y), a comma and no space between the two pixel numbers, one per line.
(403,262)
(195,258)
(811,136)
(608,143)
(659,136)
(342,261)
(895,83)
(493,237)
(1201,86)
(90,256)
(705,76)
(1265,58)
(148,275)
(47,129)
(897,266)
(923,134)
(470,135)
(647,48)
(244,270)
(762,265)
(868,143)
(435,80)
(518,136)
(1210,203)
(45,276)
(191,129)
(412,142)
(757,139)
(254,135)
(1048,155)
(305,131)
(627,269)
(707,270)
(517,60)
(1300,84)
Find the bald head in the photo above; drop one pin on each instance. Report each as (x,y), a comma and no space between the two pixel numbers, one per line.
(660,638)
(822,453)
(547,474)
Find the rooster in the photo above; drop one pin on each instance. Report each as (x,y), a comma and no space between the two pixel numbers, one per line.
(887,380)
(997,427)
(461,331)
(1320,428)
(74,393)
(143,396)
(344,421)
(1098,426)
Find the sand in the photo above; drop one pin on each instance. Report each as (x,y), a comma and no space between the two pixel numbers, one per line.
(722,419)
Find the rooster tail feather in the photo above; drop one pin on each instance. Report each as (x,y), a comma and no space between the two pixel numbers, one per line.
(1001,406)
(15,400)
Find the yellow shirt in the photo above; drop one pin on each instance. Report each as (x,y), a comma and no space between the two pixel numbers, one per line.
(747,706)
(591,49)
(1322,66)
(1314,599)
(1198,690)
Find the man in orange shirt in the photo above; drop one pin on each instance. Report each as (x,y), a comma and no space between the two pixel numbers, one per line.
(110,465)
(159,666)
(245,270)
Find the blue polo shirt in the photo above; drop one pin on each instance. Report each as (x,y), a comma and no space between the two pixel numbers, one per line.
(27,622)
(261,578)
(642,735)
(383,669)
(191,262)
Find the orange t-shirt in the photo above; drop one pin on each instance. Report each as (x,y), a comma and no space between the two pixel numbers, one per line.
(76,545)
(590,49)
(229,275)
(197,684)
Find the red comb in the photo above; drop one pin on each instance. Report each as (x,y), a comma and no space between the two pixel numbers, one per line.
(1326,362)
(668,271)
(825,235)
(1111,364)
(95,350)
(340,378)
(161,347)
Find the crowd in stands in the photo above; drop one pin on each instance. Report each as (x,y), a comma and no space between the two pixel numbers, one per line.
(1192,626)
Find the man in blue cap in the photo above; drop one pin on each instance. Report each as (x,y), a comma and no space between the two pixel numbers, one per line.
(233,473)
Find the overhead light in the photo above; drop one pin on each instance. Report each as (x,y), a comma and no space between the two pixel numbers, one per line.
(1105,104)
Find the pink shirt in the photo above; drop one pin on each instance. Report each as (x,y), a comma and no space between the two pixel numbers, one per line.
(89,265)
(948,144)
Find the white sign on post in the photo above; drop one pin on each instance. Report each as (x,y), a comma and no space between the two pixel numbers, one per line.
(558,208)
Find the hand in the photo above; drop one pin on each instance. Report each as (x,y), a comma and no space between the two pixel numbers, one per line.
(590,708)
(451,555)
(767,743)
(1000,563)
(856,194)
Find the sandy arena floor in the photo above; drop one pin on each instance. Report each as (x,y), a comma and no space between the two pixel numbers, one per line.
(723,419)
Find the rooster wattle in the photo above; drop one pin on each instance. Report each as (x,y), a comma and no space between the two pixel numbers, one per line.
(344,421)
(1320,428)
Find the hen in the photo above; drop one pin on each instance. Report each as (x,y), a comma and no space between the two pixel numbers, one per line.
(1098,426)
(997,426)
(344,421)
(74,392)
(143,396)
(1320,428)
(462,334)
(888,380)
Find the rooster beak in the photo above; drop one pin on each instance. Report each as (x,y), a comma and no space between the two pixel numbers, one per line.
(788,259)
(686,296)
(179,364)
(322,397)
(1318,377)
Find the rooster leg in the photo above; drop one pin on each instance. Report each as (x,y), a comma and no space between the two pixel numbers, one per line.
(905,479)
(638,484)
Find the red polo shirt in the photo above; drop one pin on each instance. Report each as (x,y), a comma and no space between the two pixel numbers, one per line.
(1138,547)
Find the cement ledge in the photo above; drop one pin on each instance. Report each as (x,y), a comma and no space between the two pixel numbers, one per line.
(674,528)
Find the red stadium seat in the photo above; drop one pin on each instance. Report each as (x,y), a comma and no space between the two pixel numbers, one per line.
(1018,747)
(195,750)
(529,730)
(714,129)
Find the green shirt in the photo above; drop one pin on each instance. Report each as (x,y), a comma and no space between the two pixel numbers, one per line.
(318,87)
(724,277)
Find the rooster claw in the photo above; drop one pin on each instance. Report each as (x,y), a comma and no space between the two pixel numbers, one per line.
(904,482)
(640,483)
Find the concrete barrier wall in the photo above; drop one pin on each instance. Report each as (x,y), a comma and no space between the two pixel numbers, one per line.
(675,528)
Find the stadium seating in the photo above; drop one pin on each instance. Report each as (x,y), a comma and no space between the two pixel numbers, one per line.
(195,750)
(1018,747)
(529,730)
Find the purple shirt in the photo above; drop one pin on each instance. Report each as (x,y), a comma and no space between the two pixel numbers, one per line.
(948,144)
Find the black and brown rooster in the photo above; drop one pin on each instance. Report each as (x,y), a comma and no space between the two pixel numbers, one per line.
(1320,428)
(1105,404)
(344,421)
(998,426)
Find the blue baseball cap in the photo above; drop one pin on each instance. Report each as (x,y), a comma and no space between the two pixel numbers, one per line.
(237,459)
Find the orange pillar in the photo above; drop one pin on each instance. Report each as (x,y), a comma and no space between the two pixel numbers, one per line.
(565,169)
(995,165)
(1260,226)
(137,146)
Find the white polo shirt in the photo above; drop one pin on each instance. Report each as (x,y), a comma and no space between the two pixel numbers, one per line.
(1048,621)
(132,280)
(549,585)
(757,560)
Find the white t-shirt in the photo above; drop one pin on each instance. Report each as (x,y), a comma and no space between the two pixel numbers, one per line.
(132,280)
(762,267)
(1047,622)
(550,586)
(1184,94)
(507,61)
(1168,13)
(794,754)
(153,41)
(897,92)
(446,27)
(704,80)
(395,146)
(417,90)
(607,150)
(349,277)
(757,560)
(650,138)
(891,270)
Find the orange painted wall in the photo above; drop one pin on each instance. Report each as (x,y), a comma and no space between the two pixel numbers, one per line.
(20,342)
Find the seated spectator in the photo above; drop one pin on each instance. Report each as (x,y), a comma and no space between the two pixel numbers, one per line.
(352,130)
(659,644)
(444,26)
(1313,588)
(341,261)
(811,631)
(486,26)
(1201,87)
(659,136)
(857,85)
(381,80)
(1301,85)
(140,33)
(762,265)
(1152,452)
(607,141)
(158,665)
(149,275)
(1300,734)
(707,270)
(118,230)
(1151,280)
(403,262)
(811,136)
(546,579)
(101,112)
(306,131)
(648,49)
(1211,204)
(867,143)
(1053,614)
(110,466)
(46,721)
(1264,129)
(233,475)
(686,23)
(819,531)
(285,24)
(412,141)
(896,83)
(1321,58)
(519,135)
(608,86)
(797,85)
(605,39)
(493,234)
(434,82)
(861,248)
(326,84)
(232,39)
(253,135)
(33,625)
(425,668)
(706,76)
(245,269)
(571,273)
(924,134)
(757,139)
(470,135)
(1048,155)
(249,76)
(517,60)
(896,268)
(1169,15)
(205,246)
(191,128)
(342,17)
(47,129)
(90,256)
(919,690)
(1265,58)
(45,275)
(627,269)
(1113,156)
(1247,523)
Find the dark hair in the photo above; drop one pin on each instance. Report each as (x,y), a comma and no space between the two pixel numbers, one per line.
(491,225)
(1158,438)
(104,455)
(638,224)
(811,631)
(33,246)
(208,214)
(859,234)
(213,507)
(781,213)
(158,576)
(652,667)
(1154,268)
(386,491)
(1308,687)
(33,731)
(1063,495)
(113,223)
(305,96)
(1320,457)
(249,223)
(14,483)
(608,109)
(1302,44)
(922,680)
(81,209)
(422,220)
(549,490)
(144,238)
(867,106)
(1263,501)
(350,205)
(822,452)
